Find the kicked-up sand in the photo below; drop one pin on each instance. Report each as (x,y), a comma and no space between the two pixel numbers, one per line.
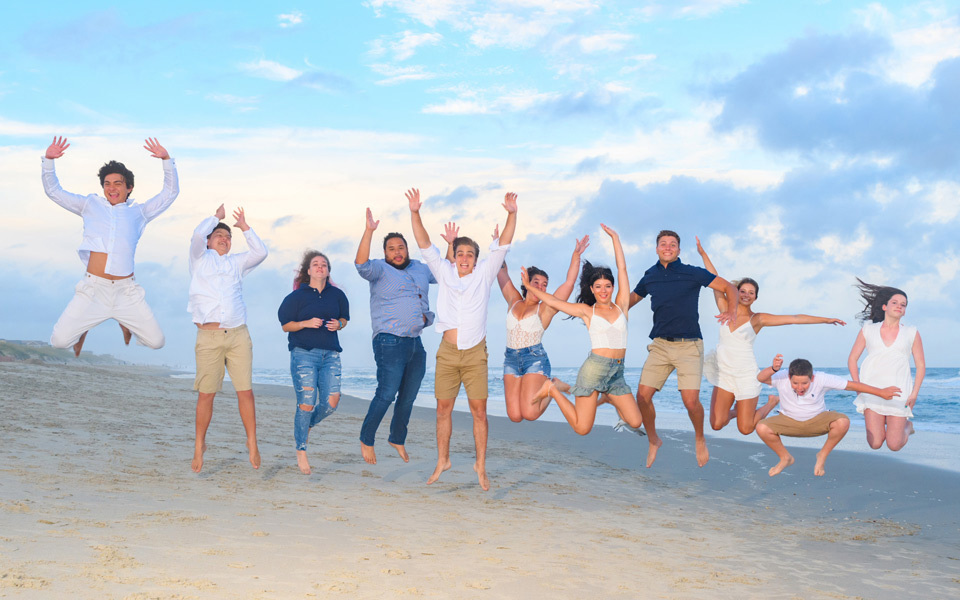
(97,500)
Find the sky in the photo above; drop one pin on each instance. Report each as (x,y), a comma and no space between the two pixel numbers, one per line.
(804,143)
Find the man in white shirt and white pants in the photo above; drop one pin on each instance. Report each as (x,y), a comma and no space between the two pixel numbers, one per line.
(216,303)
(112,226)
(462,319)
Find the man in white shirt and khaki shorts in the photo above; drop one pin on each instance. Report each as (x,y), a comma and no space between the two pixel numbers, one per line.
(462,319)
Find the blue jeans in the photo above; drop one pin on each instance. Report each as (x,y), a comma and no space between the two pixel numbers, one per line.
(401,363)
(316,376)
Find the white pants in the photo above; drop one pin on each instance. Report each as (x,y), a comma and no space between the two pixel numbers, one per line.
(97,299)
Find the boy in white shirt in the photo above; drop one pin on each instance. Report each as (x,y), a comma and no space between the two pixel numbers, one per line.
(216,303)
(803,412)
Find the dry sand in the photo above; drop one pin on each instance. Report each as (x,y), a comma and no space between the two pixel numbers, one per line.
(97,500)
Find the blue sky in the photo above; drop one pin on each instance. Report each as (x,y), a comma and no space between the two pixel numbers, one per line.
(805,143)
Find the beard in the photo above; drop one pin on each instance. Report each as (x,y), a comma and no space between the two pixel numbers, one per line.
(401,266)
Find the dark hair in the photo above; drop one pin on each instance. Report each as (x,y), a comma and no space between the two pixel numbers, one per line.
(588,275)
(753,282)
(667,232)
(874,298)
(303,277)
(800,367)
(531,273)
(223,226)
(116,167)
(465,241)
(390,236)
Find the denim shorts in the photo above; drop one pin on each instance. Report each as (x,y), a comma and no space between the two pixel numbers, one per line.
(532,359)
(602,375)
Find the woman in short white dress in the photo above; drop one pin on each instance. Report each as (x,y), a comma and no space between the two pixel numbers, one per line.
(889,345)
(732,368)
(525,363)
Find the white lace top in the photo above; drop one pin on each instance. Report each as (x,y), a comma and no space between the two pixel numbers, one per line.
(526,332)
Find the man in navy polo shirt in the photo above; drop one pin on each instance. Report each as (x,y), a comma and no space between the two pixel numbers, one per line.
(674,290)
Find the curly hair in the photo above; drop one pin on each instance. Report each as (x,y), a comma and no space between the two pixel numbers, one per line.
(116,167)
(874,298)
(303,277)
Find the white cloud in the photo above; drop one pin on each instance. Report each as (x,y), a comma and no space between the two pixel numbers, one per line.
(841,250)
(511,30)
(290,19)
(918,47)
(428,12)
(706,8)
(944,201)
(240,103)
(458,107)
(604,42)
(395,74)
(637,62)
(409,42)
(268,69)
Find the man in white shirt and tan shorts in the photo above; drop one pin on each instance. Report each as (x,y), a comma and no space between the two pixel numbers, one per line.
(464,292)
(223,342)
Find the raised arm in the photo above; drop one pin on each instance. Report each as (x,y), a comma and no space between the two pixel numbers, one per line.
(921,365)
(623,283)
(198,242)
(509,291)
(574,310)
(761,320)
(858,346)
(765,375)
(51,185)
(171,183)
(510,204)
(566,288)
(718,296)
(450,233)
(419,232)
(363,250)
(257,251)
(721,284)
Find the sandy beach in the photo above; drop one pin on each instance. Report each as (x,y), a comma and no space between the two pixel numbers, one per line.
(97,500)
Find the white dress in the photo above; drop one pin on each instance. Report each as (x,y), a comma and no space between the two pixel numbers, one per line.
(886,366)
(733,366)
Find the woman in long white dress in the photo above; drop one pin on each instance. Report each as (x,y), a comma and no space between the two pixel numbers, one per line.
(732,368)
(889,345)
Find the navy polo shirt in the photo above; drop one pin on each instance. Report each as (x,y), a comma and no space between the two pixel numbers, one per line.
(674,293)
(307,303)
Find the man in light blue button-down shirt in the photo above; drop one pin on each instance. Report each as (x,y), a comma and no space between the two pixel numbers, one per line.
(399,310)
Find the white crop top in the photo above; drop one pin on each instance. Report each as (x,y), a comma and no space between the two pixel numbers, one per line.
(526,332)
(604,334)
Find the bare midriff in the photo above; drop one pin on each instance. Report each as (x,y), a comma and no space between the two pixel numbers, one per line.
(210,326)
(450,336)
(610,352)
(97,265)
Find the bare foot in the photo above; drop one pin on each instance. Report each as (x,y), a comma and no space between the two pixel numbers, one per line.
(302,462)
(254,454)
(543,392)
(703,455)
(197,463)
(563,387)
(126,334)
(818,469)
(79,346)
(482,477)
(368,453)
(783,464)
(765,410)
(652,452)
(401,451)
(441,467)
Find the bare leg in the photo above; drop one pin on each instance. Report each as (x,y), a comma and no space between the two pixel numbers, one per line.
(645,404)
(721,402)
(898,432)
(79,345)
(248,415)
(691,400)
(478,409)
(837,430)
(126,333)
(512,396)
(766,409)
(875,424)
(204,416)
(444,428)
(529,388)
(627,408)
(772,440)
(581,415)
(747,415)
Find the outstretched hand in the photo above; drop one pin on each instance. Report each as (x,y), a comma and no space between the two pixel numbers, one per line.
(371,224)
(524,278)
(510,202)
(700,249)
(777,362)
(836,322)
(888,393)
(496,232)
(582,244)
(450,232)
(220,214)
(413,197)
(155,149)
(57,148)
(241,219)
(609,231)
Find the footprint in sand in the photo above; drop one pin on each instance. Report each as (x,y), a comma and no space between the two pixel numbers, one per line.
(392,571)
(259,534)
(477,585)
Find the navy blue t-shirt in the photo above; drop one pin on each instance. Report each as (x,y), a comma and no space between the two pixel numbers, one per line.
(674,293)
(307,303)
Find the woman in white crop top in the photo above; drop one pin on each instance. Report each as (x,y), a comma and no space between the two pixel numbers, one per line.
(525,363)
(732,367)
(602,373)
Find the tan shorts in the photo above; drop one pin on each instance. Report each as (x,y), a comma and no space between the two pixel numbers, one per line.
(686,357)
(454,367)
(217,348)
(818,425)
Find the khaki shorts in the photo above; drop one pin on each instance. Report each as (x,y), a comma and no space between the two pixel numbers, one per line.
(454,367)
(818,425)
(217,348)
(686,357)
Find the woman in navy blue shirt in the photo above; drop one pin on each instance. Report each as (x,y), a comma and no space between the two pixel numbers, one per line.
(312,315)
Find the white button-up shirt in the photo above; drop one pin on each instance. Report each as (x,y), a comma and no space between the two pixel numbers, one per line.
(462,301)
(113,230)
(216,288)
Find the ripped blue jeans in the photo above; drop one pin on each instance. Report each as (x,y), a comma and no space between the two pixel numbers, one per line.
(316,377)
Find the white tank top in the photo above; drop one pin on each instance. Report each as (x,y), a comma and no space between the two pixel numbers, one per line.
(523,333)
(604,334)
